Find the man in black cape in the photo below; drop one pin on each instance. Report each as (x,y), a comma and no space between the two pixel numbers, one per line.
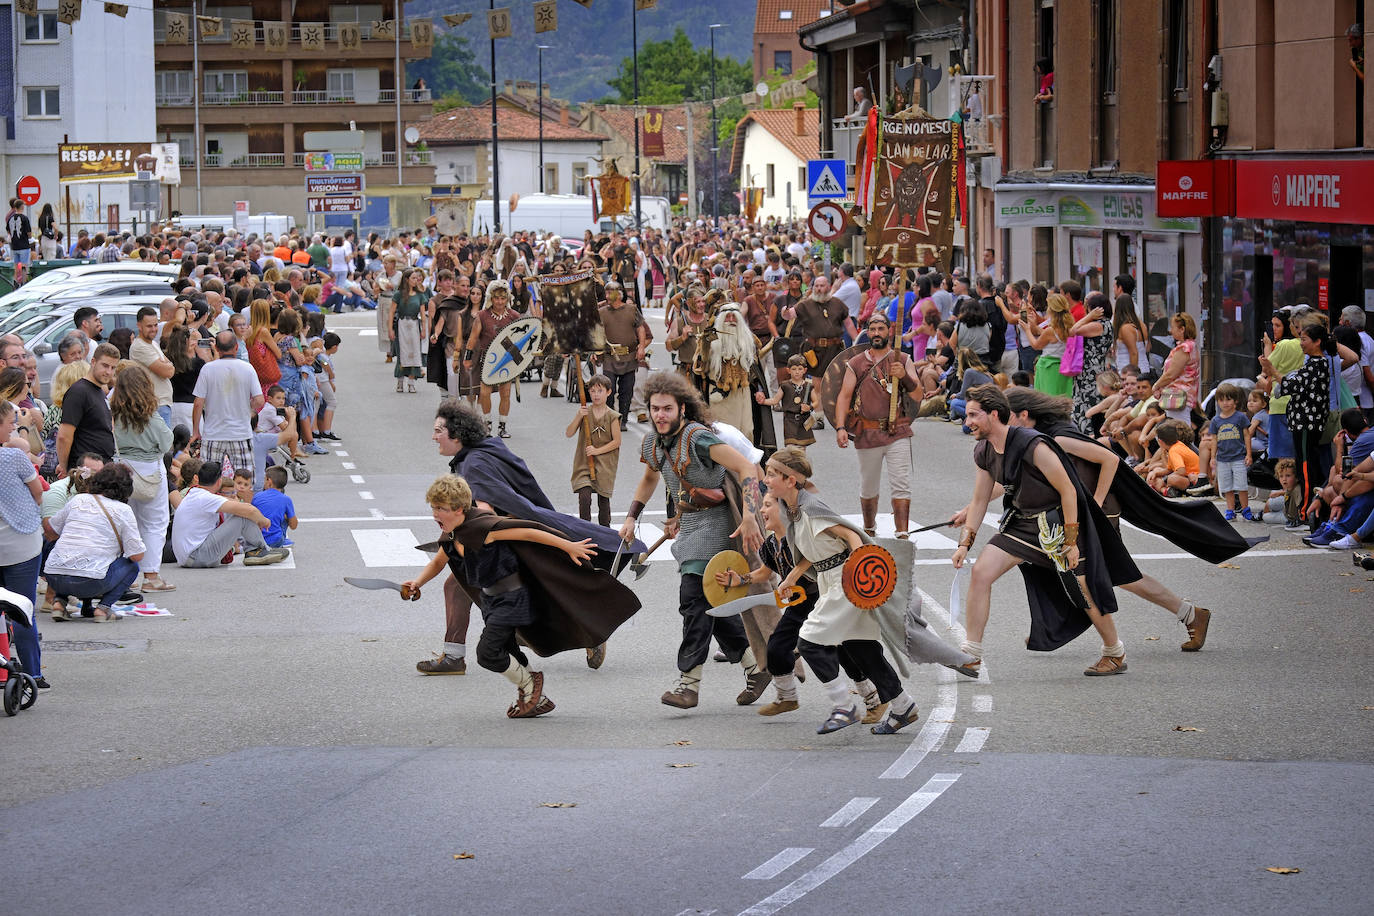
(501,480)
(1068,553)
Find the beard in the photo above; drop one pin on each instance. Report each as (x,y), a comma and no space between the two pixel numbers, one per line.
(819,296)
(734,343)
(877,343)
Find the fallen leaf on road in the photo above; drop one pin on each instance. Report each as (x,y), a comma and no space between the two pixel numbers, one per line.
(1228,566)
(683,743)
(678,766)
(1356,591)
(1186,728)
(558,804)
(1152,639)
(1367,707)
(464,855)
(1282,870)
(371,639)
(1345,574)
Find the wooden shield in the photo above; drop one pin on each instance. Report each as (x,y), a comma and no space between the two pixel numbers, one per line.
(834,378)
(870,575)
(513,351)
(716,593)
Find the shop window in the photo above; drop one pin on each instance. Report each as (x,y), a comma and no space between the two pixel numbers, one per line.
(1043,243)
(1161,297)
(1086,252)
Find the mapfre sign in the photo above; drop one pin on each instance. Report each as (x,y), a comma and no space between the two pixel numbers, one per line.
(1301,190)
(1199,187)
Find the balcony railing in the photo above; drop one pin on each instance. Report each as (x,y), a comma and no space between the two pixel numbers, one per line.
(331,34)
(296,160)
(845,136)
(298,97)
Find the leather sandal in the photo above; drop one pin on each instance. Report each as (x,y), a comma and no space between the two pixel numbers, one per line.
(969,669)
(896,721)
(874,714)
(1107,666)
(839,718)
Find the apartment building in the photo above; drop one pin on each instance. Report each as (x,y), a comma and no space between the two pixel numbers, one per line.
(241,115)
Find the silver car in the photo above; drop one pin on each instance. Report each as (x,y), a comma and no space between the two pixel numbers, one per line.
(42,333)
(102,287)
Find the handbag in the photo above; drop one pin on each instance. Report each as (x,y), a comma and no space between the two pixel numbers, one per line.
(1173,399)
(146,486)
(1071,363)
(113,527)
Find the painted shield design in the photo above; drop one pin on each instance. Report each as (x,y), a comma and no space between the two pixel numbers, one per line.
(512,352)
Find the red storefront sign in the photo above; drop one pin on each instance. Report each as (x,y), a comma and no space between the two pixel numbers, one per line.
(1195,187)
(1306,190)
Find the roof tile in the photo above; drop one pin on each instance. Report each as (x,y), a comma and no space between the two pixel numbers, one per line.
(473,125)
(768,15)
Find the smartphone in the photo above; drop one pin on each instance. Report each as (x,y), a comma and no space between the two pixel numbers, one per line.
(1347,465)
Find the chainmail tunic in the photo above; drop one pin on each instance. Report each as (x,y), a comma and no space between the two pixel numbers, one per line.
(701,533)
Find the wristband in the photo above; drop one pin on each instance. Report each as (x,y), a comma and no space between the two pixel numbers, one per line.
(467,355)
(970,535)
(636,507)
(1071,534)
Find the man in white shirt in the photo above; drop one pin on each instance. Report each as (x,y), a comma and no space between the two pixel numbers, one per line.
(201,540)
(848,292)
(1354,316)
(145,351)
(227,396)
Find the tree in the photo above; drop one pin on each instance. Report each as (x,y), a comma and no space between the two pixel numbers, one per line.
(452,70)
(673,70)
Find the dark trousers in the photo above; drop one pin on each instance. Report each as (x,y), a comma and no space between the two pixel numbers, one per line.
(1314,463)
(698,627)
(22,579)
(603,507)
(623,385)
(497,646)
(783,643)
(866,653)
(457,611)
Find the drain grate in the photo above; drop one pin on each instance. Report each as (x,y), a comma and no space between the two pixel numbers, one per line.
(89,645)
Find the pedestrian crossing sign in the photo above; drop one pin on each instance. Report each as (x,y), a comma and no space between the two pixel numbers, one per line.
(825,179)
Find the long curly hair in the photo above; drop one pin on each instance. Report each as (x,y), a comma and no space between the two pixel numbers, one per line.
(463,422)
(132,402)
(679,389)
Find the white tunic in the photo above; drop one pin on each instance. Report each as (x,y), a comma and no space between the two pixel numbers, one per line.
(834,619)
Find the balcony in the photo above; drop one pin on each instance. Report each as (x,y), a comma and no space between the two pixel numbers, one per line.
(299,97)
(218,48)
(297,160)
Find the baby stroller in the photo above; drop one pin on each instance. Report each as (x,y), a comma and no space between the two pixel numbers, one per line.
(20,690)
(281,456)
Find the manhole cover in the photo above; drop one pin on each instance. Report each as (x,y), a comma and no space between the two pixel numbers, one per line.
(91,645)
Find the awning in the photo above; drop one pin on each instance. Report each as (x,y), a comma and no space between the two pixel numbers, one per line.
(1085,205)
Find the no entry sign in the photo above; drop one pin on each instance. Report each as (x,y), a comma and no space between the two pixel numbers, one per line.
(28,189)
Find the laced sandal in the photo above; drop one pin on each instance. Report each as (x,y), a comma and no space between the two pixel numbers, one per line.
(896,721)
(1107,666)
(158,585)
(839,718)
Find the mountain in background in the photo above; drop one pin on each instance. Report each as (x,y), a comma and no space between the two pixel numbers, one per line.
(589,44)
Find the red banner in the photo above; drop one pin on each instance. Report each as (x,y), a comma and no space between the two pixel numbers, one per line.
(653,132)
(1306,190)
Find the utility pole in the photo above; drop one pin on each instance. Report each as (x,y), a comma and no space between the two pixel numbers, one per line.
(495,145)
(692,208)
(195,94)
(634,65)
(715,133)
(539,100)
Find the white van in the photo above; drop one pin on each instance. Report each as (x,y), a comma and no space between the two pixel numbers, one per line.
(569,215)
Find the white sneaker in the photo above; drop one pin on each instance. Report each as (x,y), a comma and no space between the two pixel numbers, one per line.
(1349,542)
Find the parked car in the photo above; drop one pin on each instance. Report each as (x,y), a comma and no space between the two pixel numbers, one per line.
(42,333)
(99,287)
(60,277)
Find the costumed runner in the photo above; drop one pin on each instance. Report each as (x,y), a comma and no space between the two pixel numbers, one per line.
(1069,554)
(528,593)
(1194,525)
(501,481)
(693,461)
(495,315)
(445,328)
(690,334)
(732,365)
(870,411)
(822,541)
(824,322)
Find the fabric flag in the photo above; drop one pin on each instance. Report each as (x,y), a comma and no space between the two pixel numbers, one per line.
(867,170)
(210,26)
(178,29)
(117,9)
(586,3)
(960,175)
(384,28)
(350,36)
(615,194)
(453,20)
(595,198)
(653,132)
(421,34)
(242,34)
(68,11)
(645,4)
(498,22)
(26,7)
(546,16)
(312,36)
(276,35)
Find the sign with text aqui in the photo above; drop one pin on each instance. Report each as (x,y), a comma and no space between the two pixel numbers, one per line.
(825,180)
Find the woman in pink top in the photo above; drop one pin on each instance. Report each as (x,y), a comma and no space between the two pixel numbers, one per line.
(1181,368)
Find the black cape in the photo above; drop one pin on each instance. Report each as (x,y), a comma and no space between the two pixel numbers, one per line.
(1104,562)
(576,607)
(500,479)
(1196,526)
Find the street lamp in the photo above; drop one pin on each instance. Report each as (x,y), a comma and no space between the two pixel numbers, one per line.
(715,132)
(495,141)
(634,65)
(539,100)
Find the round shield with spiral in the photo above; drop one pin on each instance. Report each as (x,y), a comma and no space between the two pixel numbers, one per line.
(870,576)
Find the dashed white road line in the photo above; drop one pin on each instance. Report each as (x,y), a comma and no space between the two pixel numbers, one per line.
(365,494)
(340,454)
(869,840)
(356,478)
(778,864)
(930,738)
(982,702)
(975,736)
(348,465)
(851,811)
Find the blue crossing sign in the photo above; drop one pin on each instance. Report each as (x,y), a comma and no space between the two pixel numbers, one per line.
(825,179)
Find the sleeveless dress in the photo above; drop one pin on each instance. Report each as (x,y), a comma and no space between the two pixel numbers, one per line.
(606,463)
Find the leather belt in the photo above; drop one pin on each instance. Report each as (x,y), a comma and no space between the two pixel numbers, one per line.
(831,562)
(825,341)
(501,586)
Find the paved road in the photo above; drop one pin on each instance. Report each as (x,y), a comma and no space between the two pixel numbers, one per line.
(270,749)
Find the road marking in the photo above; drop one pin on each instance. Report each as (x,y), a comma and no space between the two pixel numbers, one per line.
(926,540)
(341,454)
(982,702)
(778,864)
(365,494)
(387,546)
(690,911)
(930,738)
(869,840)
(376,514)
(367,332)
(288,563)
(356,478)
(851,812)
(972,742)
(940,614)
(348,465)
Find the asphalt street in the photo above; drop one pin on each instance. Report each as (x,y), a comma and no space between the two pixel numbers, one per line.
(270,748)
